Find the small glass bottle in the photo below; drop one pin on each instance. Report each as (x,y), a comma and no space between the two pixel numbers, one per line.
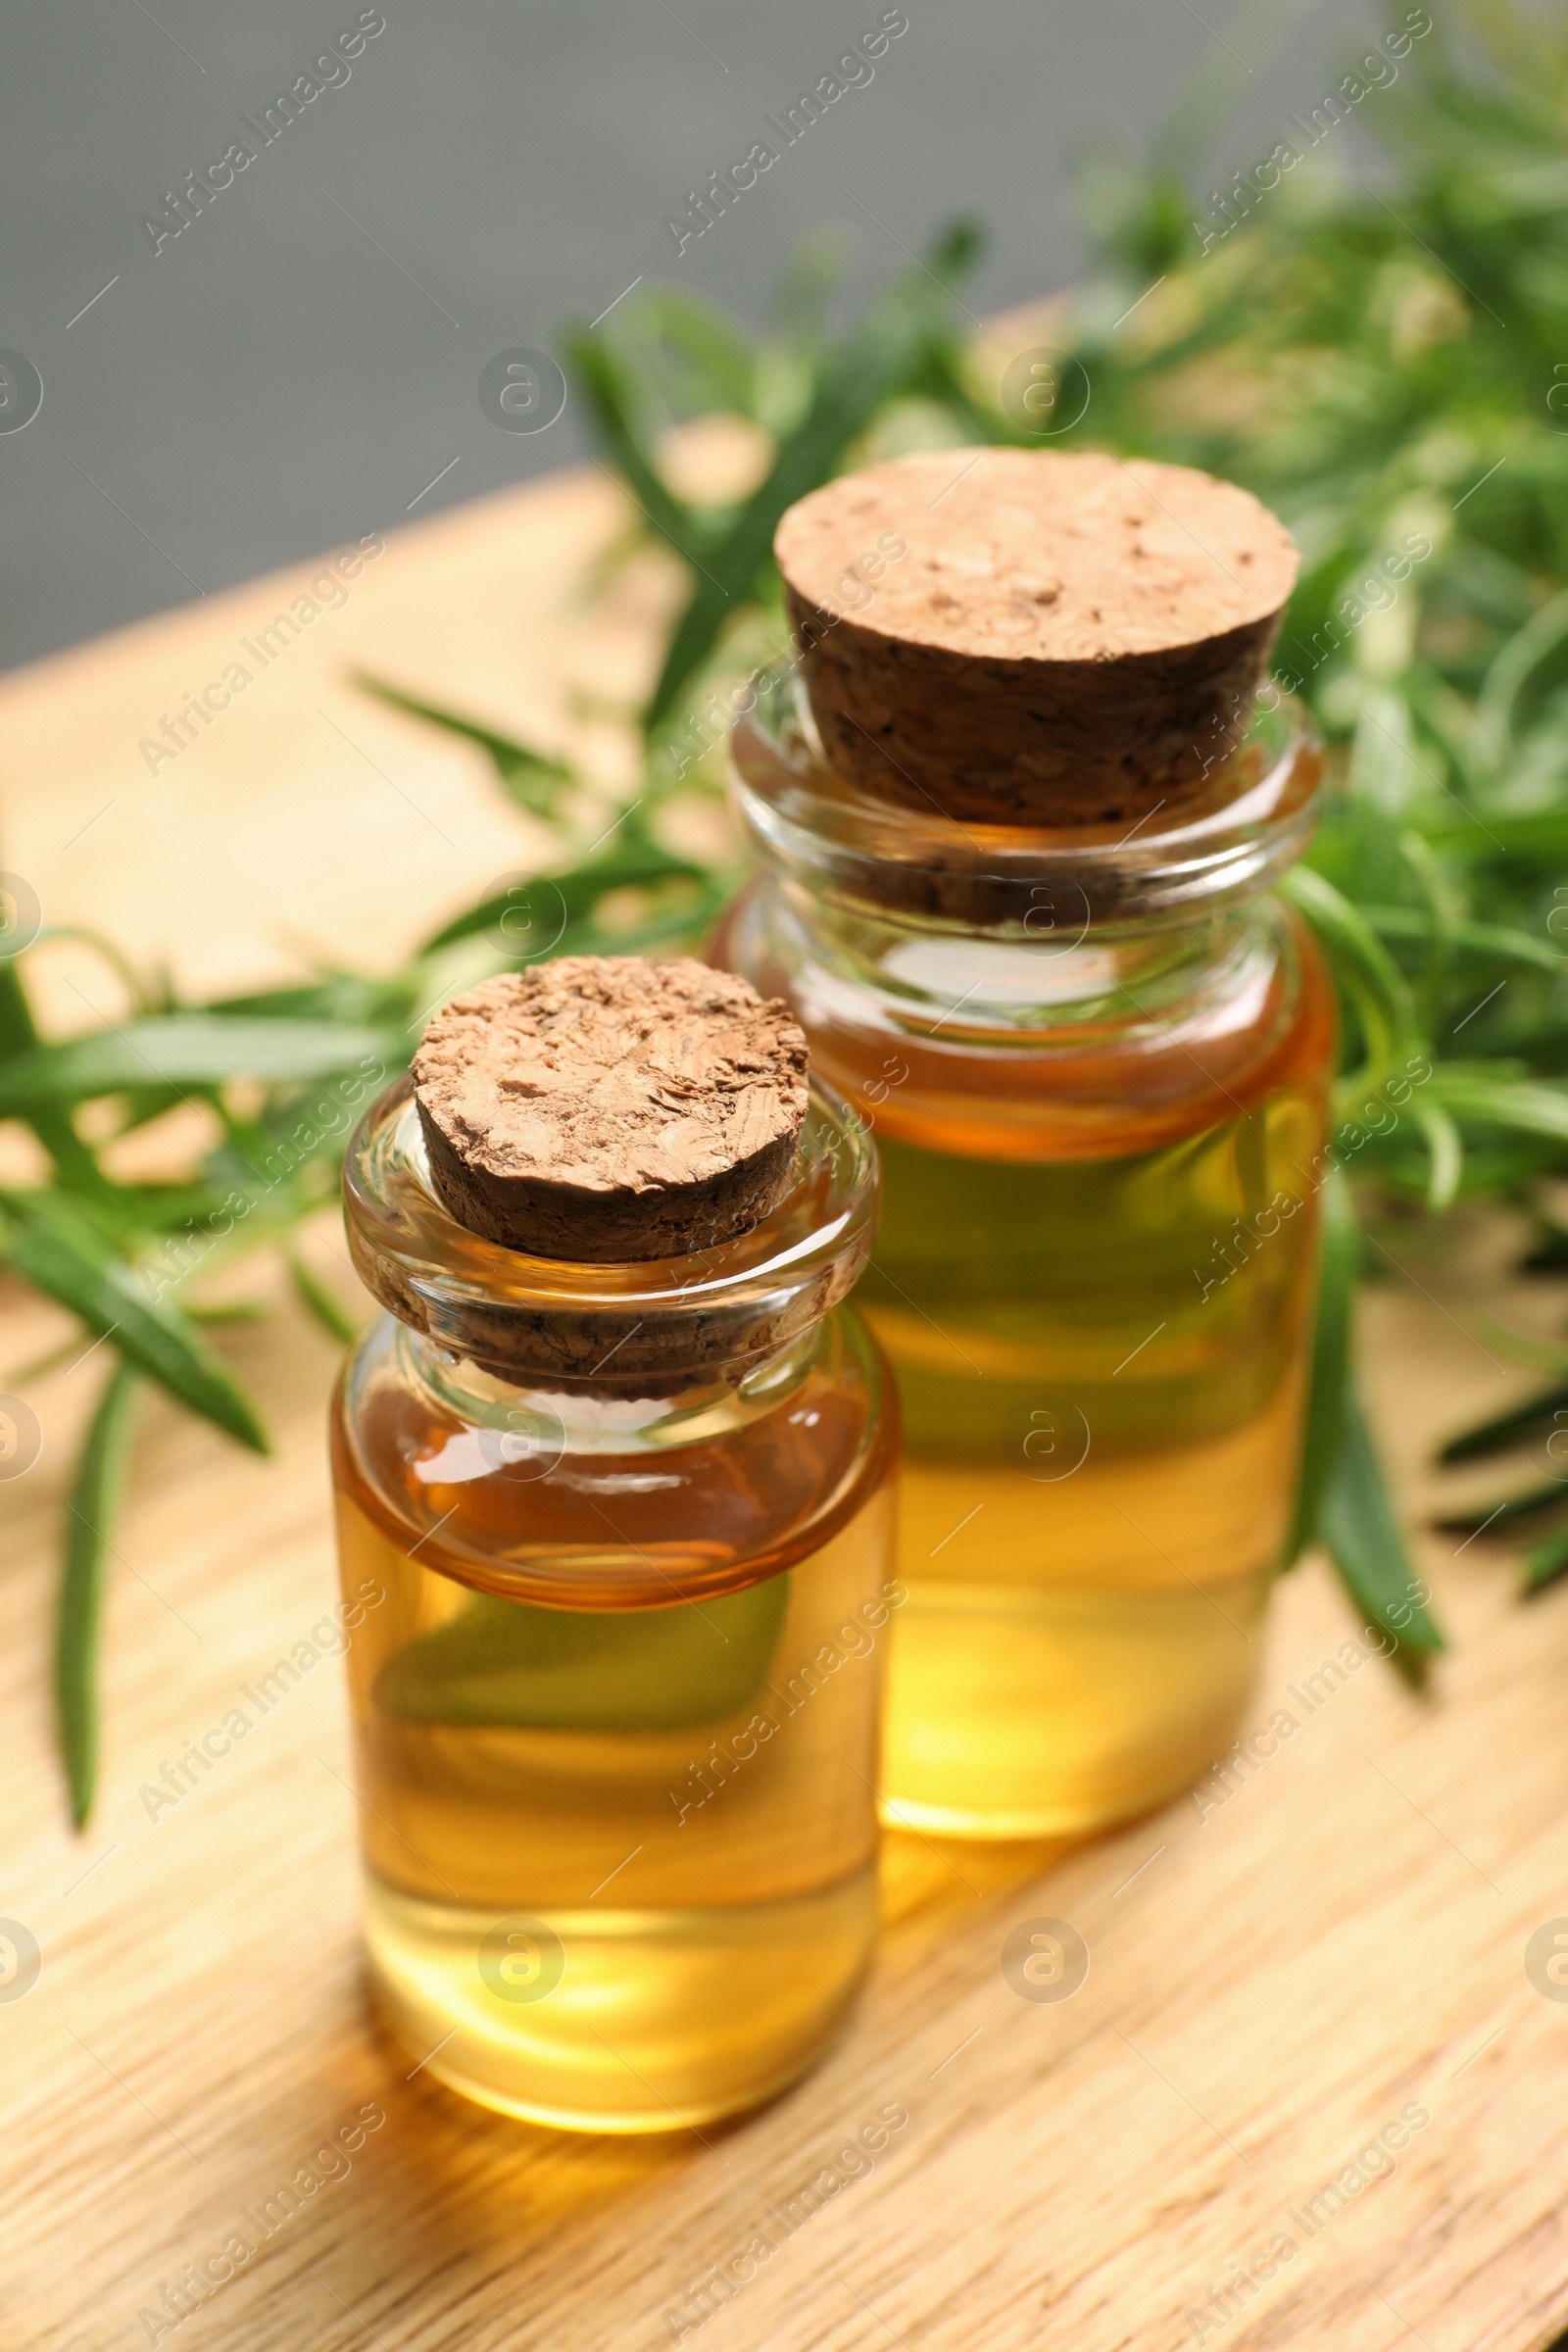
(1097,1062)
(617,1541)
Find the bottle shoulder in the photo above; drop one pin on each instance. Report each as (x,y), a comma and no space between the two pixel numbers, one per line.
(645,1526)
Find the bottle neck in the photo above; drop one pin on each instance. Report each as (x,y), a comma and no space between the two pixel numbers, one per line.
(525,1430)
(977,1048)
(1030,992)
(1015,989)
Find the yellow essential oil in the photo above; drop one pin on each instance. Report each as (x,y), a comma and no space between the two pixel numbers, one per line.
(616,1715)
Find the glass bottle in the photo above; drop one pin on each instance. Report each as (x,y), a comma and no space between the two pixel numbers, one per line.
(615,1541)
(1097,1062)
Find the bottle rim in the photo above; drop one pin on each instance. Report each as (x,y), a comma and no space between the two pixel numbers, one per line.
(1249,821)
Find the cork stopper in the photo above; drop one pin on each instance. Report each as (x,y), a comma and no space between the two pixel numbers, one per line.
(1030,637)
(604,1108)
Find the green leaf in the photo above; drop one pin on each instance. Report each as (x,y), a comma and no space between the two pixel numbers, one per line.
(346,997)
(609,388)
(534,782)
(548,900)
(318,1301)
(17,1032)
(1488,942)
(1551,1252)
(1381,764)
(73,1160)
(55,1246)
(1506,1428)
(283,1159)
(1446,1150)
(811,274)
(183,1049)
(1445,909)
(719,361)
(1545,1561)
(1480,1518)
(1521,655)
(1371,979)
(1362,1537)
(1339,1259)
(1537,838)
(689,921)
(94,1501)
(1516,1108)
(1521,1347)
(886,354)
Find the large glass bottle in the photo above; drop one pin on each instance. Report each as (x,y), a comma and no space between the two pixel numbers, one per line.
(615,1545)
(1097,1065)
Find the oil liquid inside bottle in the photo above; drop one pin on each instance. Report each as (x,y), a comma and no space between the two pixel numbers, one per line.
(1100,1462)
(619,1859)
(1094,1279)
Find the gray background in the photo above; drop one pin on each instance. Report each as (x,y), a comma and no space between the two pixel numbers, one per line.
(282,375)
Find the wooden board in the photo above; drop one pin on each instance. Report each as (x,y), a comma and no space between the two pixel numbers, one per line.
(1273,1980)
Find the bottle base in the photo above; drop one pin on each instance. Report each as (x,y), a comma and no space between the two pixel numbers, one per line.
(619,2022)
(627,2124)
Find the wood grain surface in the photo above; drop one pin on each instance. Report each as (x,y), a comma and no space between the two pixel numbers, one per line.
(1273,1980)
